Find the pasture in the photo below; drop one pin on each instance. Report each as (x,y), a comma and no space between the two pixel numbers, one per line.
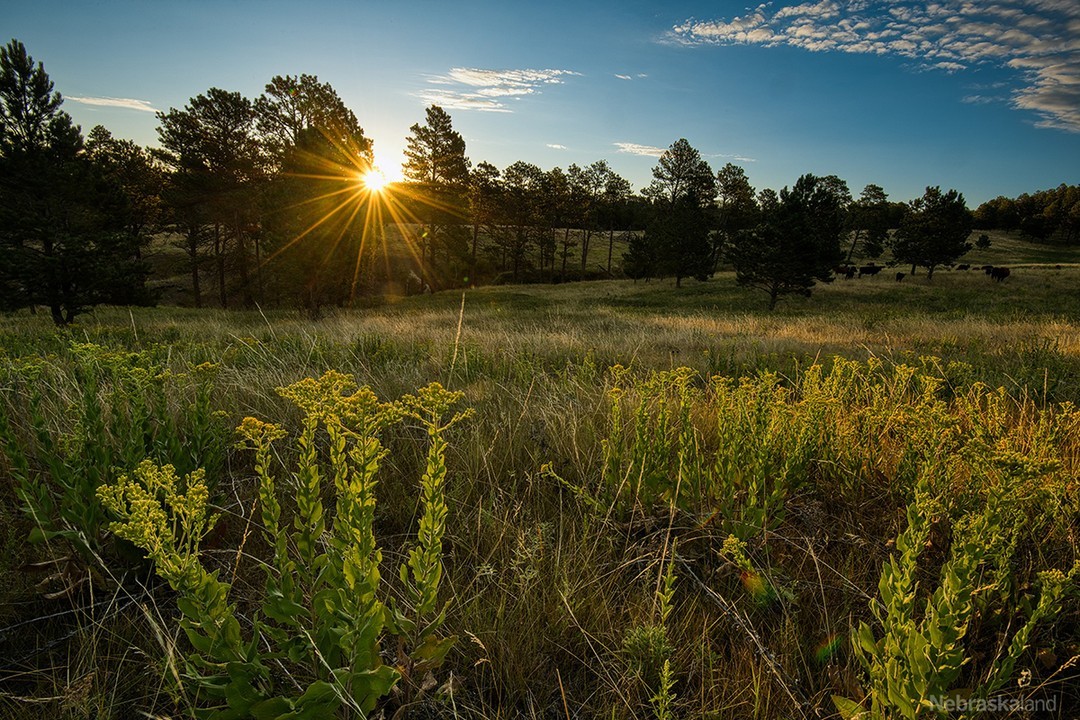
(666,502)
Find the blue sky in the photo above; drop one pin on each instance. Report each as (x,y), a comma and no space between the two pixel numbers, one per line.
(980,96)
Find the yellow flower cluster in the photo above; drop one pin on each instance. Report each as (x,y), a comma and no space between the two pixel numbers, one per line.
(432,402)
(255,433)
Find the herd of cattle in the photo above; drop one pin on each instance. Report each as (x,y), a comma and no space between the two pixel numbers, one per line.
(851,271)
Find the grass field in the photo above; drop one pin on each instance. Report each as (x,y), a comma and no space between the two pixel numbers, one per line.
(629,543)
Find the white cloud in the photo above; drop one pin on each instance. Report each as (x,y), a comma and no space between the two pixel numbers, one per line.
(126,103)
(450,100)
(635,149)
(623,77)
(478,89)
(556,146)
(1037,38)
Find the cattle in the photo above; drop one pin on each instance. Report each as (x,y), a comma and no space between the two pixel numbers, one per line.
(900,276)
(846,270)
(869,270)
(963,267)
(987,268)
(999,273)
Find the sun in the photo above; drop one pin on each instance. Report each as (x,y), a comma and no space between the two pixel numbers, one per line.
(374,180)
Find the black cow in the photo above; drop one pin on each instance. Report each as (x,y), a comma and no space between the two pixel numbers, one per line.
(963,267)
(900,276)
(999,273)
(869,270)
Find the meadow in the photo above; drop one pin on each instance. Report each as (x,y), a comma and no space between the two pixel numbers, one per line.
(661,503)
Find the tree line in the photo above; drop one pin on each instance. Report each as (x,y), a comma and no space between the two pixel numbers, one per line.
(267,200)
(1045,216)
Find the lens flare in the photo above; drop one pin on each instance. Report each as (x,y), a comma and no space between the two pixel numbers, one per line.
(374,180)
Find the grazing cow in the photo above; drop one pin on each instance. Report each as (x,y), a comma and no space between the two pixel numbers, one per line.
(869,270)
(999,273)
(900,276)
(963,267)
(849,274)
(987,268)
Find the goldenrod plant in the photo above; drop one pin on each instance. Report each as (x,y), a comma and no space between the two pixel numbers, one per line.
(321,618)
(913,666)
(95,417)
(421,647)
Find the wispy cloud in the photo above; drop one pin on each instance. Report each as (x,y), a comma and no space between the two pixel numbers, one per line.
(480,89)
(635,149)
(736,158)
(1040,39)
(556,146)
(624,77)
(126,103)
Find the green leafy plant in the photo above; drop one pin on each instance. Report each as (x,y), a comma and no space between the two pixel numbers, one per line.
(321,620)
(93,416)
(421,648)
(912,667)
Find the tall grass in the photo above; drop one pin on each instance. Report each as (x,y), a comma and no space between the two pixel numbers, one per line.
(700,532)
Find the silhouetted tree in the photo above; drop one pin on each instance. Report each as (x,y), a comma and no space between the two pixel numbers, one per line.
(521,190)
(290,106)
(796,243)
(484,195)
(934,232)
(737,208)
(436,165)
(64,237)
(682,190)
(868,220)
(615,205)
(212,144)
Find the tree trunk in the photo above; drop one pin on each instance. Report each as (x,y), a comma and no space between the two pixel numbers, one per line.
(193,251)
(610,247)
(854,243)
(219,252)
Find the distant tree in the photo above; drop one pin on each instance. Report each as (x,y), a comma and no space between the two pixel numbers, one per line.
(318,227)
(212,145)
(522,183)
(934,232)
(587,186)
(737,207)
(64,238)
(558,213)
(999,213)
(436,165)
(796,243)
(983,242)
(868,220)
(682,191)
(615,200)
(291,105)
(137,175)
(681,173)
(484,196)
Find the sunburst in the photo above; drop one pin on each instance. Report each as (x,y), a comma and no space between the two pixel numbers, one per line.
(374,180)
(356,199)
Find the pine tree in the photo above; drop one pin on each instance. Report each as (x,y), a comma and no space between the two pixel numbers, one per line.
(63,239)
(796,243)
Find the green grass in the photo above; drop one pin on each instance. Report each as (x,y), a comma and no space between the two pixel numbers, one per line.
(544,587)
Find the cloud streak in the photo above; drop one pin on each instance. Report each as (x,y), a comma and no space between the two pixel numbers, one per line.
(126,103)
(1039,39)
(487,90)
(635,149)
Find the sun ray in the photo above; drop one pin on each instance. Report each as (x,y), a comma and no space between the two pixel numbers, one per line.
(356,197)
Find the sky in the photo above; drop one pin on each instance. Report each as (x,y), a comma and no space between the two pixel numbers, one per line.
(983,97)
